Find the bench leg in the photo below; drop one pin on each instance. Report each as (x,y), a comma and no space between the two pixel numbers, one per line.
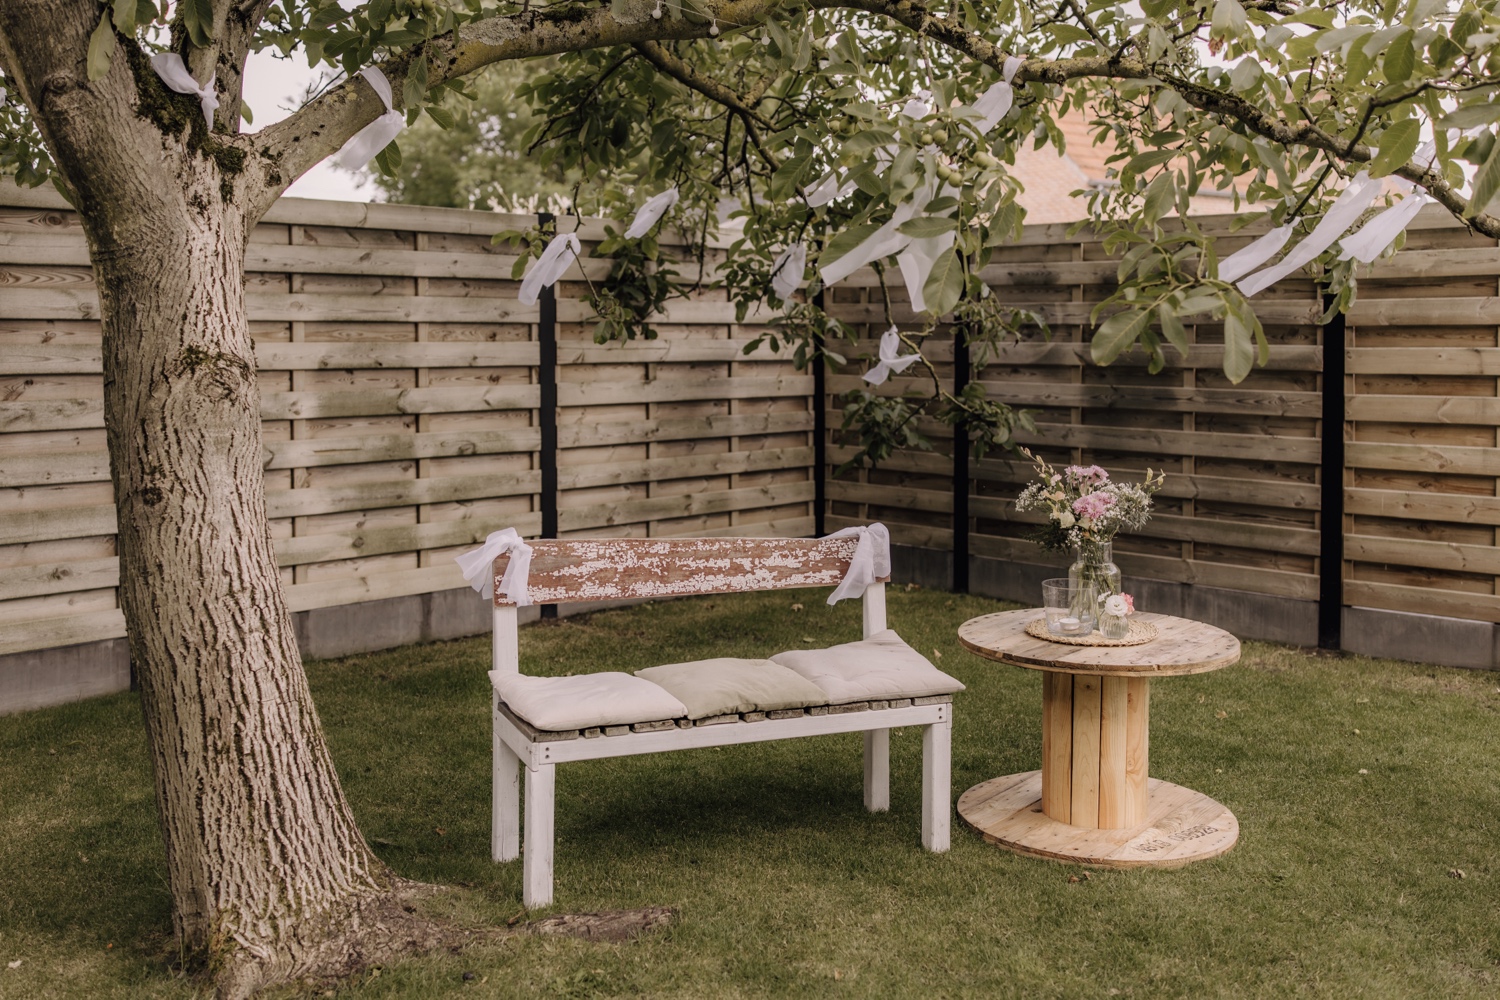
(505,821)
(937,781)
(878,770)
(536,866)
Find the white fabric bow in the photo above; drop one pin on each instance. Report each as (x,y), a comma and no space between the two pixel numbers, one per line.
(871,561)
(890,360)
(1377,234)
(995,103)
(650,212)
(174,73)
(787,268)
(1253,255)
(3,95)
(827,189)
(377,135)
(551,265)
(477,566)
(1345,211)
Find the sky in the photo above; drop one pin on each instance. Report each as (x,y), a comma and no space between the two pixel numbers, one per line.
(273,89)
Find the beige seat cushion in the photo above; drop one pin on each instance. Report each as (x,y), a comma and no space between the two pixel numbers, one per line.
(728,686)
(584,701)
(879,668)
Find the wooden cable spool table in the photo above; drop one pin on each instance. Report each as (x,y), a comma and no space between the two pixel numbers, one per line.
(1093,802)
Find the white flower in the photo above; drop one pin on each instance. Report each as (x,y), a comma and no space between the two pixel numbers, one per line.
(1065,519)
(1115,605)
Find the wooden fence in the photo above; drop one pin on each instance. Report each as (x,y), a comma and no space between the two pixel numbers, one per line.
(1267,524)
(411,405)
(403,391)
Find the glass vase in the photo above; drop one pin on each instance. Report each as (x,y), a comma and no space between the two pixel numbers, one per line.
(1093,564)
(1114,626)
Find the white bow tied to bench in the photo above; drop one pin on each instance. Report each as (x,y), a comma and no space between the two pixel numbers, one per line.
(477,566)
(871,561)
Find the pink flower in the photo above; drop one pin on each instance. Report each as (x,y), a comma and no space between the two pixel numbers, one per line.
(1087,474)
(1093,505)
(1129,604)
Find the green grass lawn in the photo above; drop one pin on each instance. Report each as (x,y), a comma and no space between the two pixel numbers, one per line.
(1362,788)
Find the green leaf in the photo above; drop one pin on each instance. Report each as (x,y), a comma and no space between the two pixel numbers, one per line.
(1400,58)
(945,285)
(1172,328)
(101,48)
(125,13)
(1397,144)
(1229,18)
(926,227)
(846,241)
(1145,161)
(1471,116)
(442,116)
(1157,8)
(1486,184)
(379,11)
(1239,347)
(1066,34)
(198,18)
(1117,333)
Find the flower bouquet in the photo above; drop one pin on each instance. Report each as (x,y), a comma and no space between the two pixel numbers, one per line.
(1085,510)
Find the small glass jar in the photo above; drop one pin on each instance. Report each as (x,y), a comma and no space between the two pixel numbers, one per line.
(1114,626)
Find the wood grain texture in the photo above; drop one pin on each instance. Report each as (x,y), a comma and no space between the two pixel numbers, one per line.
(607,569)
(1181,826)
(1181,647)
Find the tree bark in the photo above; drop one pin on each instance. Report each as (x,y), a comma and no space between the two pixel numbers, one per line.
(270,877)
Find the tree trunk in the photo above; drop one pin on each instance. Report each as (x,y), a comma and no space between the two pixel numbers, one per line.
(269,875)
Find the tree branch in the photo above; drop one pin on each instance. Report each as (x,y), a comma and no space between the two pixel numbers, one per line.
(689,77)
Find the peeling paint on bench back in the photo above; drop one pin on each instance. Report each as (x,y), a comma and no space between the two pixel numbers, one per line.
(606,569)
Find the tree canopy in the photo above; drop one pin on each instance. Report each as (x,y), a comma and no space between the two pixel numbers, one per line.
(762,101)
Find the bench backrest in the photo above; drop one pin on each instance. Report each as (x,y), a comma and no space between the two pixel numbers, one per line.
(608,569)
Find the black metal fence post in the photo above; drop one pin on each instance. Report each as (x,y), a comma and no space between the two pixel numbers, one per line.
(1331,522)
(820,436)
(961,375)
(546,332)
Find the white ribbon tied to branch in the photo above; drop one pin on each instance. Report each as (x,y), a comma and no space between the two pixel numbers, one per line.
(995,103)
(1249,257)
(827,189)
(1377,234)
(550,266)
(650,212)
(377,135)
(174,73)
(477,566)
(1345,212)
(787,268)
(890,359)
(871,561)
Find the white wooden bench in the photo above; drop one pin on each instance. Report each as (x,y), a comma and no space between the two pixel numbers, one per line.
(563,571)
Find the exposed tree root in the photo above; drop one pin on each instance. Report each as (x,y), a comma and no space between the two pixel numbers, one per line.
(389,927)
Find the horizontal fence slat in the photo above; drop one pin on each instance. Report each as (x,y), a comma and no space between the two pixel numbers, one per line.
(667,390)
(1423,506)
(364,542)
(572,433)
(1164,442)
(321,451)
(1422,600)
(1424,360)
(708,502)
(685,467)
(1452,557)
(67,630)
(1451,459)
(1389,408)
(399,493)
(374,587)
(312,405)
